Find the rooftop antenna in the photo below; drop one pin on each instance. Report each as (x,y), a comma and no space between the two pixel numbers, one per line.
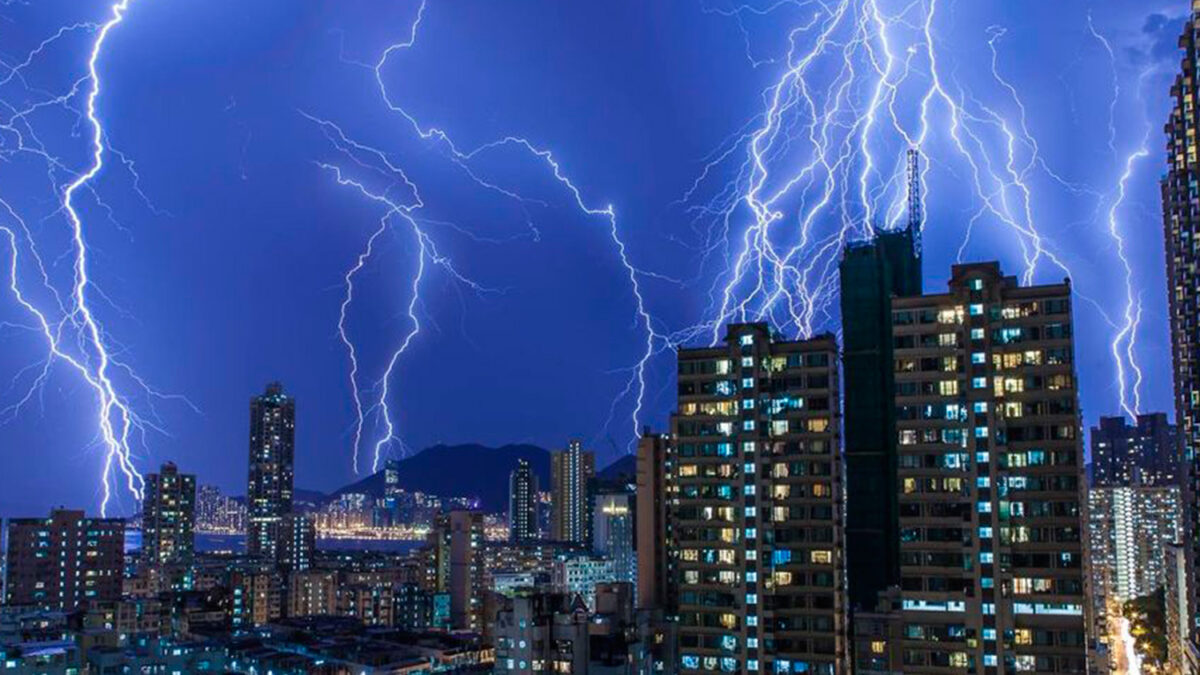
(915,215)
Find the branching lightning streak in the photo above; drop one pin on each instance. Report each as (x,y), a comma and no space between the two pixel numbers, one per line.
(861,82)
(72,332)
(381,406)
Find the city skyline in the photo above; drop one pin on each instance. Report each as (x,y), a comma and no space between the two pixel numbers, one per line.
(228,196)
(814,337)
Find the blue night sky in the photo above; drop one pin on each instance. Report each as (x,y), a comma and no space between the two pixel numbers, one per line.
(219,238)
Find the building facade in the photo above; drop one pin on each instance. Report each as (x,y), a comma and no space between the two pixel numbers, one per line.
(1143,453)
(655,459)
(1181,229)
(297,542)
(871,274)
(65,561)
(580,575)
(613,538)
(990,469)
(571,473)
(755,509)
(272,473)
(169,524)
(455,568)
(522,503)
(256,597)
(1181,656)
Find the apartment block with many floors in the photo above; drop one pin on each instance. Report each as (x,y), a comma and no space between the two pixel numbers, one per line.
(755,510)
(990,478)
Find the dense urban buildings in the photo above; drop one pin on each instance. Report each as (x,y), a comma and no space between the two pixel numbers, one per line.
(1181,228)
(755,512)
(217,513)
(1144,453)
(991,529)
(169,524)
(272,453)
(1135,517)
(571,473)
(1130,534)
(871,274)
(64,561)
(522,503)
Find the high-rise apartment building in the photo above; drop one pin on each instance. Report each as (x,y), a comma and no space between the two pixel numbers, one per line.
(1181,229)
(613,538)
(297,542)
(1144,453)
(169,524)
(571,473)
(522,503)
(755,506)
(454,565)
(1129,531)
(655,458)
(871,274)
(272,453)
(990,469)
(63,562)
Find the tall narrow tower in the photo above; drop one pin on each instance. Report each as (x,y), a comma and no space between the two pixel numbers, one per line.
(872,274)
(271,476)
(571,472)
(522,503)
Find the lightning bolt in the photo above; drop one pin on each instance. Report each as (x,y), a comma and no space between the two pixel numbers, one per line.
(1130,393)
(374,400)
(822,165)
(68,325)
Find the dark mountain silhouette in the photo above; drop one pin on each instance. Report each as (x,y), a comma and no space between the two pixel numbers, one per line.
(624,470)
(467,470)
